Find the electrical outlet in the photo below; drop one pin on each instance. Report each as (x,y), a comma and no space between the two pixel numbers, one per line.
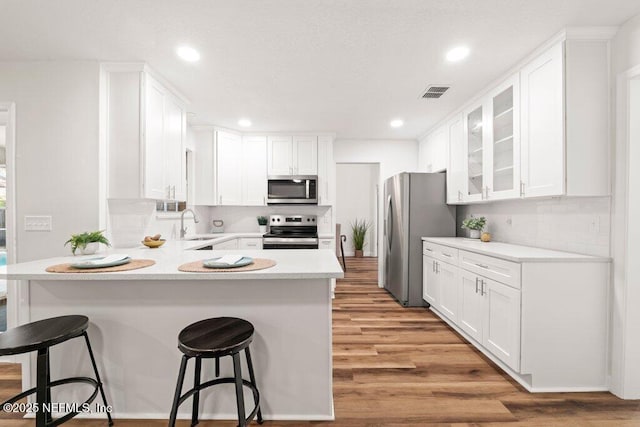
(37,223)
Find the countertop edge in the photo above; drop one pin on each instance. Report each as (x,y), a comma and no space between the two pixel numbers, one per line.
(97,277)
(580,258)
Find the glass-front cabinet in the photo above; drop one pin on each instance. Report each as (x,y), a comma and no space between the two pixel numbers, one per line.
(474,132)
(492,144)
(505,142)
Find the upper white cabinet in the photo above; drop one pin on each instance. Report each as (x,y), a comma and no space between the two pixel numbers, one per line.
(254,170)
(292,155)
(433,153)
(538,133)
(456,173)
(326,171)
(565,121)
(228,168)
(491,146)
(145,134)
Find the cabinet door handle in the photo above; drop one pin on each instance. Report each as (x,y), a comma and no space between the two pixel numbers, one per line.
(168,192)
(476,285)
(264,200)
(521,188)
(437,267)
(174,192)
(483,290)
(433,266)
(459,195)
(220,200)
(482,265)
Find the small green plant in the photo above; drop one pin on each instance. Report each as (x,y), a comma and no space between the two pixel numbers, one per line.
(262,220)
(474,223)
(359,230)
(81,240)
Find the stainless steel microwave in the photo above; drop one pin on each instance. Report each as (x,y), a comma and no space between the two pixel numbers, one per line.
(292,190)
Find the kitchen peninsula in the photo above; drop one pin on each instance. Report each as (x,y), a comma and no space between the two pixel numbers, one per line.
(136,317)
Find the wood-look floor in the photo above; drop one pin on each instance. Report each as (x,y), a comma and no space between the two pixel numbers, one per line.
(397,366)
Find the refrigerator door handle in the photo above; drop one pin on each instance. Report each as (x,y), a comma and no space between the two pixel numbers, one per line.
(389,223)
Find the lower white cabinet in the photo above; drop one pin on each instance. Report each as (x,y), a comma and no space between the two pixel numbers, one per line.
(440,286)
(326,244)
(229,244)
(490,314)
(544,321)
(250,243)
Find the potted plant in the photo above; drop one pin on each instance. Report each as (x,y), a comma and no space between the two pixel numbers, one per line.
(474,225)
(359,231)
(87,242)
(262,223)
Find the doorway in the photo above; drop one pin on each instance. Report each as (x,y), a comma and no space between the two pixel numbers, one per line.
(7,247)
(357,199)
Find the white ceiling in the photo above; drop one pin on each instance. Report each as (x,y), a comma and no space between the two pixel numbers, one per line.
(312,65)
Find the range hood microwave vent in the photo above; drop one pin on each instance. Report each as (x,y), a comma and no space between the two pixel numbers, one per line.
(435,91)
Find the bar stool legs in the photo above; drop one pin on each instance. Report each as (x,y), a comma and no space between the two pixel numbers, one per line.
(95,371)
(178,393)
(196,396)
(179,397)
(42,372)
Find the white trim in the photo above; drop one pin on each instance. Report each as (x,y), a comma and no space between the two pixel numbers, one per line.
(620,305)
(202,417)
(591,33)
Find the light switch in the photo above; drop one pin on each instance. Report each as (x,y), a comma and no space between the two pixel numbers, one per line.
(37,223)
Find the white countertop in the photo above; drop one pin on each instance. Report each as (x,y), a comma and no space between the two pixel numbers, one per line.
(511,252)
(291,263)
(202,240)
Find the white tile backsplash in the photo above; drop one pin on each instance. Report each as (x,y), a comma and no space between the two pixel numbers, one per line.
(570,224)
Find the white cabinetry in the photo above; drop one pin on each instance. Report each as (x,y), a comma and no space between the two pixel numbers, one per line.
(228,168)
(229,244)
(249,243)
(565,128)
(539,133)
(254,170)
(542,321)
(456,173)
(326,171)
(145,134)
(433,153)
(491,145)
(326,244)
(292,155)
(231,170)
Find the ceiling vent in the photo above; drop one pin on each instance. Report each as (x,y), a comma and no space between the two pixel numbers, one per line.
(435,91)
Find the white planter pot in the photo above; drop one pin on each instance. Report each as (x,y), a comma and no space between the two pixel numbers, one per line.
(263,228)
(90,249)
(474,234)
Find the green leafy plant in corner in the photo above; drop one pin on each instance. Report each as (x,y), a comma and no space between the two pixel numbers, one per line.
(359,230)
(262,220)
(81,240)
(474,223)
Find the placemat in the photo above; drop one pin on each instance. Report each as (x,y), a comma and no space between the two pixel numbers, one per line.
(133,265)
(197,267)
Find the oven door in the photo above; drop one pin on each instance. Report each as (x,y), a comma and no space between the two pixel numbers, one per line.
(289,243)
(292,190)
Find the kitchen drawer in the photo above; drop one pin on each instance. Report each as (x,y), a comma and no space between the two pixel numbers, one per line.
(440,252)
(326,244)
(250,243)
(502,271)
(229,244)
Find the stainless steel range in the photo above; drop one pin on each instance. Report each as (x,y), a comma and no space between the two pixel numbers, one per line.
(291,232)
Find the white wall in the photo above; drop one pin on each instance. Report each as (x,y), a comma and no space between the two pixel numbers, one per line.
(394,156)
(357,197)
(56,149)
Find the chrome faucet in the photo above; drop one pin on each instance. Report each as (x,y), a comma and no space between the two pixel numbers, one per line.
(183,230)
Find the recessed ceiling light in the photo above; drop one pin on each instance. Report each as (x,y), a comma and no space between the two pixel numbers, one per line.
(396,123)
(245,123)
(457,54)
(189,54)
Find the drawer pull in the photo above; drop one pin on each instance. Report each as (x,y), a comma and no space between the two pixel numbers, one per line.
(482,265)
(447,255)
(427,249)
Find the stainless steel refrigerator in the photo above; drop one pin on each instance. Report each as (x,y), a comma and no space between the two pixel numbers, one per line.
(415,207)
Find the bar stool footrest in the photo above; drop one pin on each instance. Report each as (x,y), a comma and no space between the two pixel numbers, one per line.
(66,417)
(228,380)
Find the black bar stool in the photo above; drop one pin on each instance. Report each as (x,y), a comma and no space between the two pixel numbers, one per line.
(40,336)
(216,338)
